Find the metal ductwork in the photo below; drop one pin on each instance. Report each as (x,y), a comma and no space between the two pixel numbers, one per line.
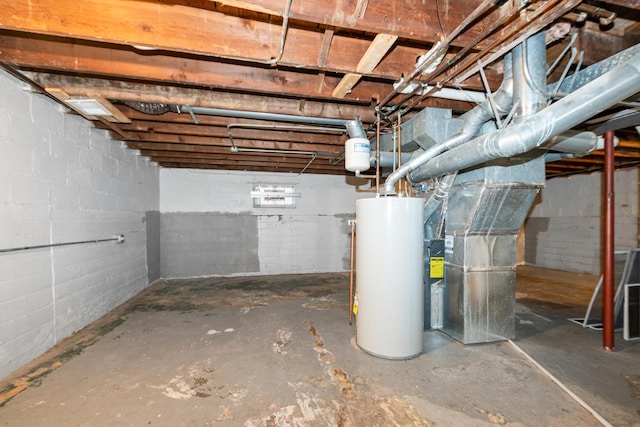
(485,209)
(388,159)
(472,122)
(494,179)
(591,99)
(151,108)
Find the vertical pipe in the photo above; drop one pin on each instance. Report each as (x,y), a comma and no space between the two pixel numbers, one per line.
(529,76)
(353,228)
(399,145)
(378,150)
(608,273)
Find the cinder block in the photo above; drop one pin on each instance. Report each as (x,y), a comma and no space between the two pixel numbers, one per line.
(22,349)
(52,181)
(77,129)
(99,142)
(5,124)
(30,190)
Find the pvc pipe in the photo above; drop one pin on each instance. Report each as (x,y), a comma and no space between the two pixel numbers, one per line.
(608,319)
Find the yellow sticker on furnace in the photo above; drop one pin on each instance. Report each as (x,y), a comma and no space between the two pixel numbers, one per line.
(436,267)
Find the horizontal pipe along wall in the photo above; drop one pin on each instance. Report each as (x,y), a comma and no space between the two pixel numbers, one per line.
(63,181)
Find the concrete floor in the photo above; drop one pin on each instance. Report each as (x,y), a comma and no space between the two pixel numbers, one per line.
(278,351)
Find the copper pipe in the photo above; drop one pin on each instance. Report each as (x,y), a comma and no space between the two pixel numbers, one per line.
(353,228)
(608,272)
(378,149)
(398,130)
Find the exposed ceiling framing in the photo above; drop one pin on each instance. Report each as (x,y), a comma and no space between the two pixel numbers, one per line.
(318,58)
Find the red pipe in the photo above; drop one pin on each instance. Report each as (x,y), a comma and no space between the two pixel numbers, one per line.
(608,274)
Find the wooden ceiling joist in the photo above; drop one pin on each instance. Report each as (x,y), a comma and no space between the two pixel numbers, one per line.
(338,58)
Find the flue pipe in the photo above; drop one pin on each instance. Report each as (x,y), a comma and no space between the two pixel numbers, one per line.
(591,99)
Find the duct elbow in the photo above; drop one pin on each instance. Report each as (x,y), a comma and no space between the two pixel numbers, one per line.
(355,128)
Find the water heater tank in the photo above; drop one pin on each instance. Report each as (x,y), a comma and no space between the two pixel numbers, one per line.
(356,154)
(389,276)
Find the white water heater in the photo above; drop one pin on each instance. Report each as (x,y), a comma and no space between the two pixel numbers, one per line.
(356,154)
(389,276)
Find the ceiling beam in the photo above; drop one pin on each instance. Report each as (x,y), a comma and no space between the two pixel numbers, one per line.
(57,53)
(177,95)
(414,20)
(207,28)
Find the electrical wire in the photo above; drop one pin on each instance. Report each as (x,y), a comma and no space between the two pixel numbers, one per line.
(444,35)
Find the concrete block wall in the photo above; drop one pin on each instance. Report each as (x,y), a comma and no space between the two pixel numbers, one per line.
(61,180)
(564,228)
(209,225)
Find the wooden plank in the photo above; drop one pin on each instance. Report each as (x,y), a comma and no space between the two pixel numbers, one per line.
(381,44)
(346,84)
(122,63)
(527,24)
(249,6)
(371,58)
(413,20)
(58,52)
(152,25)
(327,38)
(204,30)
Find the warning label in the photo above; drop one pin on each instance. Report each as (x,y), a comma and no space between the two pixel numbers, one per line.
(436,267)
